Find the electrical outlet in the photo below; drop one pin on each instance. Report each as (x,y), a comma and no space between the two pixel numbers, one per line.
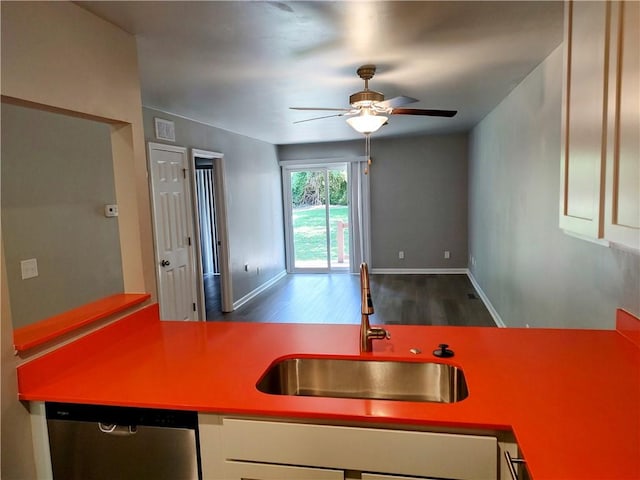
(401,255)
(447,254)
(111,210)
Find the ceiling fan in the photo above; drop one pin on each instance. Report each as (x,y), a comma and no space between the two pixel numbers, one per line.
(369,108)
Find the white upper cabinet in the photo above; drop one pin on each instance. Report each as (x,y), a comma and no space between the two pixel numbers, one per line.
(600,175)
(622,201)
(584,101)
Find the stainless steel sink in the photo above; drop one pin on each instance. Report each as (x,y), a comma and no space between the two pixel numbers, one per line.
(371,379)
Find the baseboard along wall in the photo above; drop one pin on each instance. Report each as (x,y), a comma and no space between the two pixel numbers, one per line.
(483,296)
(254,293)
(419,271)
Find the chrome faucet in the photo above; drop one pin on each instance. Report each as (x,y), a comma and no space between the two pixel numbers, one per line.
(367,332)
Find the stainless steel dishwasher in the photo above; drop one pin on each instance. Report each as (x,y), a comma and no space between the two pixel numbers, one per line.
(90,442)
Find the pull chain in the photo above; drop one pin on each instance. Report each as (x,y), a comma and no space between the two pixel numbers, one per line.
(367,152)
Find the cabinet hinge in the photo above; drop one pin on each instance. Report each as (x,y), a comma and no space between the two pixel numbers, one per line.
(194,306)
(184,173)
(189,240)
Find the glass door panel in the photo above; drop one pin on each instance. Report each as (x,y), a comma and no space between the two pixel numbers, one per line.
(319,219)
(309,220)
(339,217)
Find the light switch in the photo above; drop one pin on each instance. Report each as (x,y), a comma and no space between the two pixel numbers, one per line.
(29,268)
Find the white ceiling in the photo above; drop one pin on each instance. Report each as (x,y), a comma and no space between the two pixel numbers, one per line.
(239,65)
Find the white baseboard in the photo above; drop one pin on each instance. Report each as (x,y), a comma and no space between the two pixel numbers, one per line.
(419,271)
(494,313)
(254,293)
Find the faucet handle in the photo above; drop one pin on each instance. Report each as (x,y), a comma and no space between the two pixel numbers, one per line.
(378,333)
(443,351)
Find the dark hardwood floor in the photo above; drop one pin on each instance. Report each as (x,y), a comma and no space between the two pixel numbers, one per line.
(335,298)
(212,302)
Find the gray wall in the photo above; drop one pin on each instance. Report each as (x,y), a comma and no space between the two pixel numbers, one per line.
(419,202)
(254,198)
(57,175)
(418,197)
(532,272)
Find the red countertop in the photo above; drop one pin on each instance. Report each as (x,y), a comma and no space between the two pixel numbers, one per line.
(572,397)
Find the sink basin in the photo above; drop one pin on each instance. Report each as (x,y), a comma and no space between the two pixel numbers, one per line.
(370,379)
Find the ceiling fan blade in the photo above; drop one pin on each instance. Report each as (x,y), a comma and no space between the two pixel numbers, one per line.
(320,108)
(418,111)
(319,118)
(397,101)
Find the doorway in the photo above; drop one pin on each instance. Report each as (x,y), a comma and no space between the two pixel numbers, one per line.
(318,213)
(210,219)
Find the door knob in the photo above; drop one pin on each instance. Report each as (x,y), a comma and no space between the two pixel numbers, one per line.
(165,263)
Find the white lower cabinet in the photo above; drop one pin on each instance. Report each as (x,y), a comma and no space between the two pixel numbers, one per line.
(256,449)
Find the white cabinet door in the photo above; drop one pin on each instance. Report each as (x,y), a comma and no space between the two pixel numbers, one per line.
(584,118)
(600,174)
(262,471)
(173,231)
(622,214)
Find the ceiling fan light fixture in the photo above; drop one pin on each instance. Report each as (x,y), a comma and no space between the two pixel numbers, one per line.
(366,122)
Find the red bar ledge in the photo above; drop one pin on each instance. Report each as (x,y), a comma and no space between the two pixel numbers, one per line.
(628,325)
(41,332)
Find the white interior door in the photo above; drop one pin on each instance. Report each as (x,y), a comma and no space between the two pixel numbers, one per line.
(173,231)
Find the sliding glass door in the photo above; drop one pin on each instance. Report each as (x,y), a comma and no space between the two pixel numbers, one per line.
(318,218)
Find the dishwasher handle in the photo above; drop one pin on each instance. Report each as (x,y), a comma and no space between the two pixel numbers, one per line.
(119,430)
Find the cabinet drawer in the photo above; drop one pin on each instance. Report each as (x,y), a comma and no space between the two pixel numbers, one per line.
(374,476)
(261,471)
(364,449)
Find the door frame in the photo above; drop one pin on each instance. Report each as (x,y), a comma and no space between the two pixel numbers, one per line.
(151,146)
(222,231)
(359,198)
